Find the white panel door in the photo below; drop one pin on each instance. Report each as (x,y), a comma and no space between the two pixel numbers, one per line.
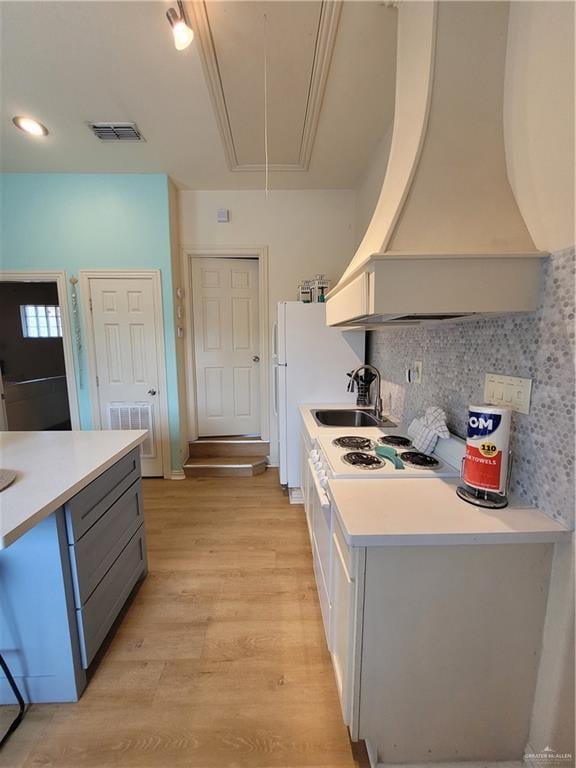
(227,346)
(127,360)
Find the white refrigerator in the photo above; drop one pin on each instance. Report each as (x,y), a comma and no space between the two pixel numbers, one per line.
(311,361)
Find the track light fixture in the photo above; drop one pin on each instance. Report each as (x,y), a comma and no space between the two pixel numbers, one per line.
(183,35)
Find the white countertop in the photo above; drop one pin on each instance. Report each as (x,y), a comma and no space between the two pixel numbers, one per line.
(52,467)
(427,511)
(423,511)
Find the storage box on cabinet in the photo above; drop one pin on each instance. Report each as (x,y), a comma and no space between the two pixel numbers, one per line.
(98,613)
(92,502)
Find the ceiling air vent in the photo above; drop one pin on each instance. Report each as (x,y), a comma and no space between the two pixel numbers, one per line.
(116,131)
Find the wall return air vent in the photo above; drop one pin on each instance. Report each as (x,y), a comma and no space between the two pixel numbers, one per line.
(116,131)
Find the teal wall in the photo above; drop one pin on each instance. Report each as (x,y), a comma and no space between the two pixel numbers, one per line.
(93,221)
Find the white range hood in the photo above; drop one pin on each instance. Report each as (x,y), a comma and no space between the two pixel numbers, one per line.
(446,239)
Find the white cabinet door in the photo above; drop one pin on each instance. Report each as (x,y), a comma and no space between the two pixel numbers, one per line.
(320,525)
(347,606)
(342,626)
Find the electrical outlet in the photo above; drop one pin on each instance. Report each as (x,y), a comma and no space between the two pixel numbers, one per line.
(509,391)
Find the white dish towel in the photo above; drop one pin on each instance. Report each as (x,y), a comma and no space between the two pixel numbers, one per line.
(433,426)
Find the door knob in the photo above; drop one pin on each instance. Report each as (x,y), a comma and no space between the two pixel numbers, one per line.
(151,391)
(256,358)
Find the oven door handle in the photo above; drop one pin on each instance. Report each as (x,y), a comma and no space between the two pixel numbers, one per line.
(320,492)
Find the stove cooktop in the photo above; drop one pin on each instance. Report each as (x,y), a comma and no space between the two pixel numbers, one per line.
(353,455)
(395,441)
(354,442)
(363,460)
(419,459)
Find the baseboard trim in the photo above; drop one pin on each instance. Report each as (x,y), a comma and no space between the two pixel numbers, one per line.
(471,764)
(177,474)
(295,496)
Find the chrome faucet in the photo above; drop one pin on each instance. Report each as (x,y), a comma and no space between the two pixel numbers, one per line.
(378,413)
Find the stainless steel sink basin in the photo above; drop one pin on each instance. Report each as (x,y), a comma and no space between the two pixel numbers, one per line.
(350,418)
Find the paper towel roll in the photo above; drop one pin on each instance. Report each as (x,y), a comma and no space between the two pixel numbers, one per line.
(487,448)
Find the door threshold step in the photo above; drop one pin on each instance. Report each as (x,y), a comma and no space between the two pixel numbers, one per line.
(215,447)
(225,466)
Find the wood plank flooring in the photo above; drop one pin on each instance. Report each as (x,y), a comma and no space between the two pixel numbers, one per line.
(219,661)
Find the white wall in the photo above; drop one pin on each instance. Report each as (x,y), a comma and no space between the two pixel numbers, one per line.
(539,138)
(306,232)
(539,118)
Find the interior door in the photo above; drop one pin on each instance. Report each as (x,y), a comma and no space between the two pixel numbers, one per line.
(124,318)
(227,346)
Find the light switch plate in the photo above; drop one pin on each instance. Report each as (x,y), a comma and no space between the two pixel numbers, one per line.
(508,391)
(417,372)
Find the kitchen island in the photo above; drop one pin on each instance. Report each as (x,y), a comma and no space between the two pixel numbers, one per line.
(72,548)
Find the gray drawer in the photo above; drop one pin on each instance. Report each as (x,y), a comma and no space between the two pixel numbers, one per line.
(102,607)
(94,554)
(91,502)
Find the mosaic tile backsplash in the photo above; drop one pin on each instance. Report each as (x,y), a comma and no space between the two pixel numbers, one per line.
(455,357)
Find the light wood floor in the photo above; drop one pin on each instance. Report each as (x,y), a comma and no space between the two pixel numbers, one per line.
(219,661)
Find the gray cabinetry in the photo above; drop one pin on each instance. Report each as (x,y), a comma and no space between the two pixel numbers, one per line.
(84,509)
(97,615)
(92,556)
(64,582)
(107,549)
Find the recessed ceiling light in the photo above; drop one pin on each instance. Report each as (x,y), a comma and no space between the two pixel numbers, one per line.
(30,126)
(183,35)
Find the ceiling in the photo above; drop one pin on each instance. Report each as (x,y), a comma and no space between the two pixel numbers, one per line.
(330,95)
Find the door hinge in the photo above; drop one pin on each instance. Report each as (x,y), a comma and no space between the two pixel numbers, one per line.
(97,381)
(90,304)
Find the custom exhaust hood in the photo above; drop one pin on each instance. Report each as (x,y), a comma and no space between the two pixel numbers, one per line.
(446,239)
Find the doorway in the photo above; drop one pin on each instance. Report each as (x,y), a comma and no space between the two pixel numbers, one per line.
(225,296)
(36,367)
(125,344)
(249,417)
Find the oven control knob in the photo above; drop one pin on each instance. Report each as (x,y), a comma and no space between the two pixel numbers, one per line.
(323,480)
(314,455)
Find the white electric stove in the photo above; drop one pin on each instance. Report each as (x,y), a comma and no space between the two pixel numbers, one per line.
(352,454)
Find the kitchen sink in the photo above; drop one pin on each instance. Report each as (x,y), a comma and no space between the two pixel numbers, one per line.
(350,418)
